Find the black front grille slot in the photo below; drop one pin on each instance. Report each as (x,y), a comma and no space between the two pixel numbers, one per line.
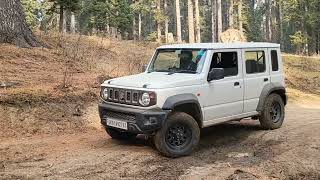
(111,94)
(135,97)
(116,95)
(121,116)
(128,96)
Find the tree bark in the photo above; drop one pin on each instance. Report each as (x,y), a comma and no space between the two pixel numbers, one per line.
(72,23)
(219,19)
(197,19)
(268,20)
(158,22)
(166,22)
(13,26)
(190,21)
(231,14)
(213,21)
(178,21)
(61,20)
(240,16)
(279,22)
(139,26)
(134,31)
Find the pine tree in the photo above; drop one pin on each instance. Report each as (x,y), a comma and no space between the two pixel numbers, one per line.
(14,28)
(190,21)
(178,20)
(197,21)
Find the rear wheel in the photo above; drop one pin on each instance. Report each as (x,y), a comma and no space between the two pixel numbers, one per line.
(116,134)
(273,114)
(179,135)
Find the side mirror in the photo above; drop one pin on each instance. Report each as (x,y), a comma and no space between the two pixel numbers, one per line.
(144,68)
(216,74)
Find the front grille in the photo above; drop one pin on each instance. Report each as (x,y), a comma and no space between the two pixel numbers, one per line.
(121,116)
(123,96)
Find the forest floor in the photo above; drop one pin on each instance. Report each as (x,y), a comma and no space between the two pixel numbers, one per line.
(239,150)
(50,126)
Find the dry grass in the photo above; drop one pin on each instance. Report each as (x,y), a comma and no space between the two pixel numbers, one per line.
(303,73)
(76,65)
(73,65)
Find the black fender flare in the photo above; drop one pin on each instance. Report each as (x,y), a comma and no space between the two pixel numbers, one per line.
(266,91)
(180,99)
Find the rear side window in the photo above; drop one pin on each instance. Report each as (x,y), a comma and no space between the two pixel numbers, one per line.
(274,60)
(255,62)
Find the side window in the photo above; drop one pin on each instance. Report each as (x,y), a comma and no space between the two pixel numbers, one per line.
(274,60)
(255,62)
(226,60)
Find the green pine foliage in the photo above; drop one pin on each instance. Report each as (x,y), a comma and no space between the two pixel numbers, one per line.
(253,18)
(294,23)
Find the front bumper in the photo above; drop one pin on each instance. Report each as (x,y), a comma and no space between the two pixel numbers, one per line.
(139,120)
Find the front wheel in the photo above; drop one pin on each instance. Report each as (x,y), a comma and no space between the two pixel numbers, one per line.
(178,136)
(273,113)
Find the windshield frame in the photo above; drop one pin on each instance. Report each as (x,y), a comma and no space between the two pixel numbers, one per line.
(149,70)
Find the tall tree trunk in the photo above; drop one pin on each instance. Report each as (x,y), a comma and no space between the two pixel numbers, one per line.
(279,22)
(197,19)
(72,23)
(139,26)
(13,26)
(240,16)
(231,14)
(166,22)
(213,21)
(134,31)
(62,21)
(190,21)
(219,19)
(178,21)
(158,22)
(268,32)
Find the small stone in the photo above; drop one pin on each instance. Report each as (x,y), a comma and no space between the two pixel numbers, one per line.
(239,155)
(2,167)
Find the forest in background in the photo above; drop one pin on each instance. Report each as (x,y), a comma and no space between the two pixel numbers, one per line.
(295,24)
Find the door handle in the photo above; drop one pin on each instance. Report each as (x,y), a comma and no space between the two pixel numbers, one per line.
(236,84)
(266,79)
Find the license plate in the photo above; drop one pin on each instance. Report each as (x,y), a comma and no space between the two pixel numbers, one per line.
(117,124)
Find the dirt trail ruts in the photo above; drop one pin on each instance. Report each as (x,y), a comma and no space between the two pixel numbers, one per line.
(237,150)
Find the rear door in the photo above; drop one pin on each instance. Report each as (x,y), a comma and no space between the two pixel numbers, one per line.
(256,76)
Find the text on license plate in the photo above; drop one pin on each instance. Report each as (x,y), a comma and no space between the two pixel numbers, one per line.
(117,124)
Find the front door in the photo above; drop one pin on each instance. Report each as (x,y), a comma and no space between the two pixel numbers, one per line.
(225,96)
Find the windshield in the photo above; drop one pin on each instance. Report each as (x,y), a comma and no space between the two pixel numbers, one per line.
(178,60)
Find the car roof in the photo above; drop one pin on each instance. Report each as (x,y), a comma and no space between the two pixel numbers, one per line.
(238,45)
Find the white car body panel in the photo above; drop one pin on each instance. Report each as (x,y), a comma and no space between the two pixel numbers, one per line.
(157,80)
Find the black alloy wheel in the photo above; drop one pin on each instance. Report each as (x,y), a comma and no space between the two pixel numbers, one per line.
(178,136)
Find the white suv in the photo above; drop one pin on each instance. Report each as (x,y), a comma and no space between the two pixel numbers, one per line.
(187,87)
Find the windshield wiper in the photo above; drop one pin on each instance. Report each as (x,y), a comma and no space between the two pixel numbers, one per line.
(182,71)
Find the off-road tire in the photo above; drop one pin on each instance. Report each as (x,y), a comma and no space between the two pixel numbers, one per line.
(266,118)
(116,134)
(162,139)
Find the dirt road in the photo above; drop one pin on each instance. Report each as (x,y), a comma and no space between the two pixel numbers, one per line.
(238,150)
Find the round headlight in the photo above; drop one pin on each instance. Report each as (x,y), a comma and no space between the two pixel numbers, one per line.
(145,99)
(104,93)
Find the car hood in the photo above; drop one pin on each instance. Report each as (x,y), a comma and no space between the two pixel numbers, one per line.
(156,80)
